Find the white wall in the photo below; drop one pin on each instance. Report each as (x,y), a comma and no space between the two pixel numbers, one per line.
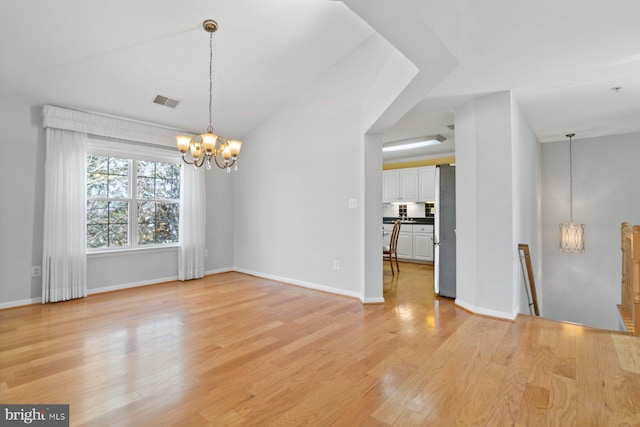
(466,204)
(305,162)
(220,218)
(497,199)
(371,235)
(527,196)
(487,173)
(494,174)
(585,288)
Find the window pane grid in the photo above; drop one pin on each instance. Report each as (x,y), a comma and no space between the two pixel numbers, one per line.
(107,223)
(149,217)
(158,180)
(158,222)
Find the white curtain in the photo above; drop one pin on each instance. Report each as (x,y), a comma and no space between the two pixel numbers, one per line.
(64,271)
(193,213)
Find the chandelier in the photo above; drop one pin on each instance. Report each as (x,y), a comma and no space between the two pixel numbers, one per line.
(571,234)
(208,146)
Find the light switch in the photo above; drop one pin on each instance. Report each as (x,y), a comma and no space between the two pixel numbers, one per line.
(353,203)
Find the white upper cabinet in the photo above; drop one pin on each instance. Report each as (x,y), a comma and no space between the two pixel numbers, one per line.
(408,185)
(389,186)
(400,186)
(427,184)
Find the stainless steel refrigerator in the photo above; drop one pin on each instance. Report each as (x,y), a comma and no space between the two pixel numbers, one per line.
(444,232)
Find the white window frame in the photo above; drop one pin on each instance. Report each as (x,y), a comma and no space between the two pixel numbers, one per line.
(133,151)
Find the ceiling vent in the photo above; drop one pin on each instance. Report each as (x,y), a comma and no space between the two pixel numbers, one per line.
(167,102)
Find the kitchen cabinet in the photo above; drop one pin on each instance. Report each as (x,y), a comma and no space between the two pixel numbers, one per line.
(423,242)
(405,243)
(389,186)
(415,241)
(427,184)
(409,185)
(400,186)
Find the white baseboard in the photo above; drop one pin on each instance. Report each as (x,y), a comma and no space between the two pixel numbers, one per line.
(286,280)
(150,282)
(12,304)
(218,271)
(131,285)
(486,312)
(301,283)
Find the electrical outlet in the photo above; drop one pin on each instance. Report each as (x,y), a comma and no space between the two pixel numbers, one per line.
(336,264)
(36,271)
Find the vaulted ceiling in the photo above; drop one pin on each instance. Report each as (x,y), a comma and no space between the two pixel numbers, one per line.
(561,59)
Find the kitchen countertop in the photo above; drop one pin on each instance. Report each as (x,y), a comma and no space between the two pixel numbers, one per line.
(391,220)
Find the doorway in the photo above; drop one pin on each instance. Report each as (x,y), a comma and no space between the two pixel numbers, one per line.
(412,285)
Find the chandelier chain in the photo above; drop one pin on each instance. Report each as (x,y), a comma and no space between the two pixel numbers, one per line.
(570,178)
(207,149)
(571,234)
(210,128)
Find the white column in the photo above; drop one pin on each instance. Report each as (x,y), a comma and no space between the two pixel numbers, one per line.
(485,206)
(371,219)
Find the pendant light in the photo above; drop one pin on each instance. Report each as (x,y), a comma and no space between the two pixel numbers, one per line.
(208,146)
(571,234)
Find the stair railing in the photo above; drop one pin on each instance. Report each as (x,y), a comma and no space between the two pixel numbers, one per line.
(630,299)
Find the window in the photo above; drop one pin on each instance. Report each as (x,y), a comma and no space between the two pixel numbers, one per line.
(131,203)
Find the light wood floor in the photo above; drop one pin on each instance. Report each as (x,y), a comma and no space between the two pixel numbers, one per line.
(233,349)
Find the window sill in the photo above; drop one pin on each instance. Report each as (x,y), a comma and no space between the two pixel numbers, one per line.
(116,252)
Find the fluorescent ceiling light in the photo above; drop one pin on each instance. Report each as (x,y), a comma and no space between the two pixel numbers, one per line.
(410,144)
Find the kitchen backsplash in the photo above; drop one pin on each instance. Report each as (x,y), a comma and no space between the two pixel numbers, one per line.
(412,210)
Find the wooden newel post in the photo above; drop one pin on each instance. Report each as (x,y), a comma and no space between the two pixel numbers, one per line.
(532,286)
(635,277)
(629,306)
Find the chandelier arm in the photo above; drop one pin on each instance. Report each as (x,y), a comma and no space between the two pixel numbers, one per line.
(220,165)
(187,161)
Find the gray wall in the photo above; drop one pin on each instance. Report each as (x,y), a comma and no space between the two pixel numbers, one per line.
(21,219)
(304,164)
(22,195)
(585,288)
(284,214)
(582,288)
